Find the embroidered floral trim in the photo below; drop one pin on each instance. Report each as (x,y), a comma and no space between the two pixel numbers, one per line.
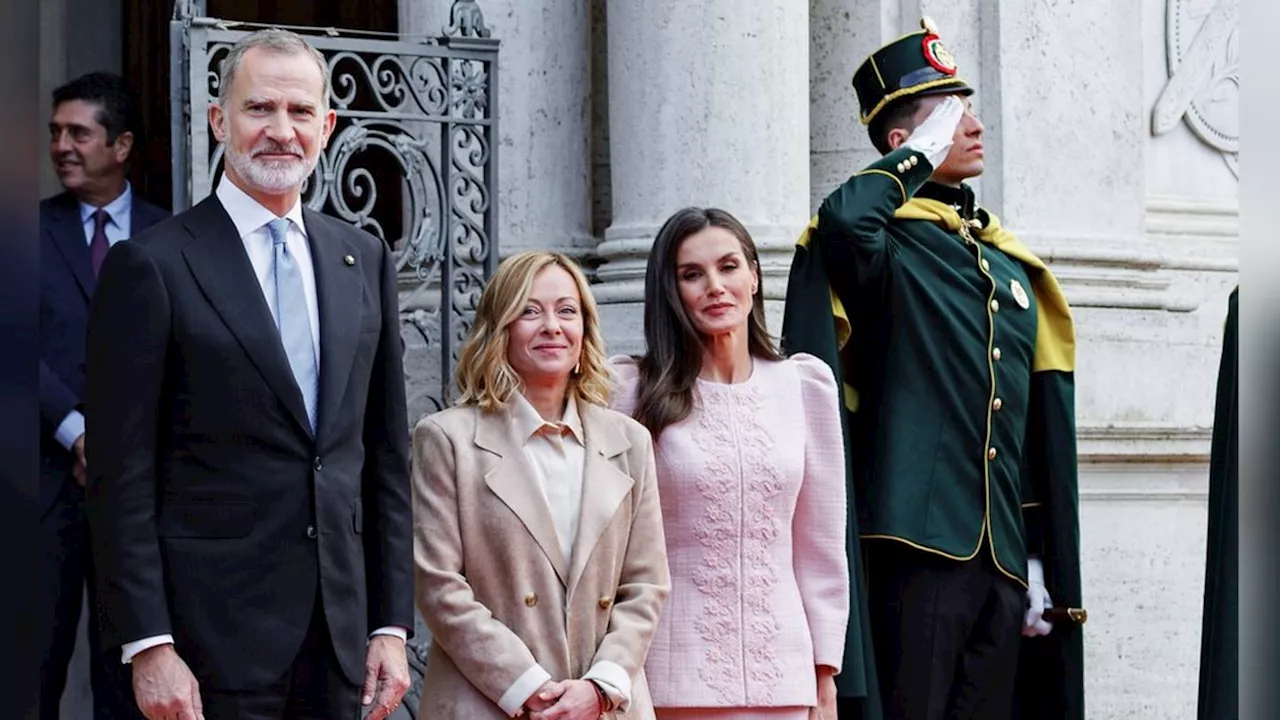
(737,530)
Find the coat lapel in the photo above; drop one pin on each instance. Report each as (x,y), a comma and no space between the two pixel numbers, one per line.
(604,484)
(512,480)
(221,266)
(143,215)
(339,293)
(68,237)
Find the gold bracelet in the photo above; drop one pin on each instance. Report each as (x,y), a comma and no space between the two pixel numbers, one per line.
(601,697)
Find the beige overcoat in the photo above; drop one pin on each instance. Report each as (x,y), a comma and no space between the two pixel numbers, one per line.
(491,581)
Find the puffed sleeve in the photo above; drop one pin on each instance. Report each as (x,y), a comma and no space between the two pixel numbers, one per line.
(818,532)
(626,382)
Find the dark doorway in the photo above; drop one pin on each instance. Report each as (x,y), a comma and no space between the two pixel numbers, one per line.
(146,63)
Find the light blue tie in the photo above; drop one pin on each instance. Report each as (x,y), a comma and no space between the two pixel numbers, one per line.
(292,316)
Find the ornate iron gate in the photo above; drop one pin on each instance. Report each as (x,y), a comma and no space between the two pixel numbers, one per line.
(412,160)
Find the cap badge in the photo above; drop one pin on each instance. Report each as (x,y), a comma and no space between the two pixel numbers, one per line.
(938,55)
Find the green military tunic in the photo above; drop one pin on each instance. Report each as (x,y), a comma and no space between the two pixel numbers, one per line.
(955,347)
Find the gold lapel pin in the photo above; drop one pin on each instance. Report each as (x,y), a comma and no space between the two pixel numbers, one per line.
(349,260)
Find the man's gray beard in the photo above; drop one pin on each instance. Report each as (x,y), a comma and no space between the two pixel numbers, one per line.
(270,176)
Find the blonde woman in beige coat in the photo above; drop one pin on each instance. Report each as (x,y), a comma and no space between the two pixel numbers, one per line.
(541,567)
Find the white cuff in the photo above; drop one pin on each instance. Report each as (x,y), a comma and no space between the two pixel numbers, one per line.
(392,630)
(137,646)
(615,681)
(70,430)
(512,701)
(1035,571)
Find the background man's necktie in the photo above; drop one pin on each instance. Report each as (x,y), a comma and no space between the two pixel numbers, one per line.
(98,246)
(292,316)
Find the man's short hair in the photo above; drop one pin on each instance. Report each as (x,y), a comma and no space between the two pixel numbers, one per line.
(275,40)
(117,107)
(897,114)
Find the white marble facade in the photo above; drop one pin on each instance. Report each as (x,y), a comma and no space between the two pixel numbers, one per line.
(615,113)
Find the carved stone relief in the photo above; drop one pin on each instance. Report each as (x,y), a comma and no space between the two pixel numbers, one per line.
(1203,45)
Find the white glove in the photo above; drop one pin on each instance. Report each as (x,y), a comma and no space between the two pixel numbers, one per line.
(1037,600)
(934,136)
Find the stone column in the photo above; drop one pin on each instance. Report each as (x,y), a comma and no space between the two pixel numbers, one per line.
(1065,113)
(543,83)
(709,106)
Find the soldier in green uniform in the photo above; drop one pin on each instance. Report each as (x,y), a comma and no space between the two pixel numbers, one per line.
(955,348)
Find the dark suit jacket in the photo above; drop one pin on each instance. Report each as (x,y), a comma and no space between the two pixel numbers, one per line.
(217,514)
(66,284)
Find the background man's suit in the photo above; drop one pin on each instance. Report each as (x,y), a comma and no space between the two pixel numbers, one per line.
(221,517)
(67,283)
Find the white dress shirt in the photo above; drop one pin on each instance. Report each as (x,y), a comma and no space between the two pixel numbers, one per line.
(556,452)
(119,223)
(250,218)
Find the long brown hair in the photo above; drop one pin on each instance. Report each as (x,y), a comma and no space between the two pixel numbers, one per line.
(673,357)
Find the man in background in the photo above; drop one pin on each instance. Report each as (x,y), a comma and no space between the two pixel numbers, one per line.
(92,137)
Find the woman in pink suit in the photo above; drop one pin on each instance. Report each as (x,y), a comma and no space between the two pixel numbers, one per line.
(751,481)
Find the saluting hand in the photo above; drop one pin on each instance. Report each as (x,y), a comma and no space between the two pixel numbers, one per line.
(935,135)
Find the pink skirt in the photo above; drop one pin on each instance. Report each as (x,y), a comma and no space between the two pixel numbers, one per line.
(777,713)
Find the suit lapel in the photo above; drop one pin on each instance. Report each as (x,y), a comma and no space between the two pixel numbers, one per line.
(218,262)
(512,480)
(604,484)
(143,215)
(339,292)
(68,237)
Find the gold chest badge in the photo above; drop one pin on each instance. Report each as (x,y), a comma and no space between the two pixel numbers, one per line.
(1019,294)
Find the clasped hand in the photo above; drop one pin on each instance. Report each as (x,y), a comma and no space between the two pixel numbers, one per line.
(567,700)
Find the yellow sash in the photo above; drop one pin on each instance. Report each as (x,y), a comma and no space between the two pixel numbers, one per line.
(1055,330)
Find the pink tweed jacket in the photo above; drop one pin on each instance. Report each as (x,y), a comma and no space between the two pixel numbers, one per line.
(754,513)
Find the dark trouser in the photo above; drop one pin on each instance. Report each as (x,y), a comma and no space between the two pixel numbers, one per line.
(946,633)
(67,565)
(314,688)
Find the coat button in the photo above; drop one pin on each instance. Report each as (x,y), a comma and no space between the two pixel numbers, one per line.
(995,306)
(311,532)
(317,464)
(997,404)
(531,599)
(606,603)
(991,454)
(986,266)
(995,354)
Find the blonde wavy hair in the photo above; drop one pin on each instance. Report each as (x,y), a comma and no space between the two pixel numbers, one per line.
(484,377)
